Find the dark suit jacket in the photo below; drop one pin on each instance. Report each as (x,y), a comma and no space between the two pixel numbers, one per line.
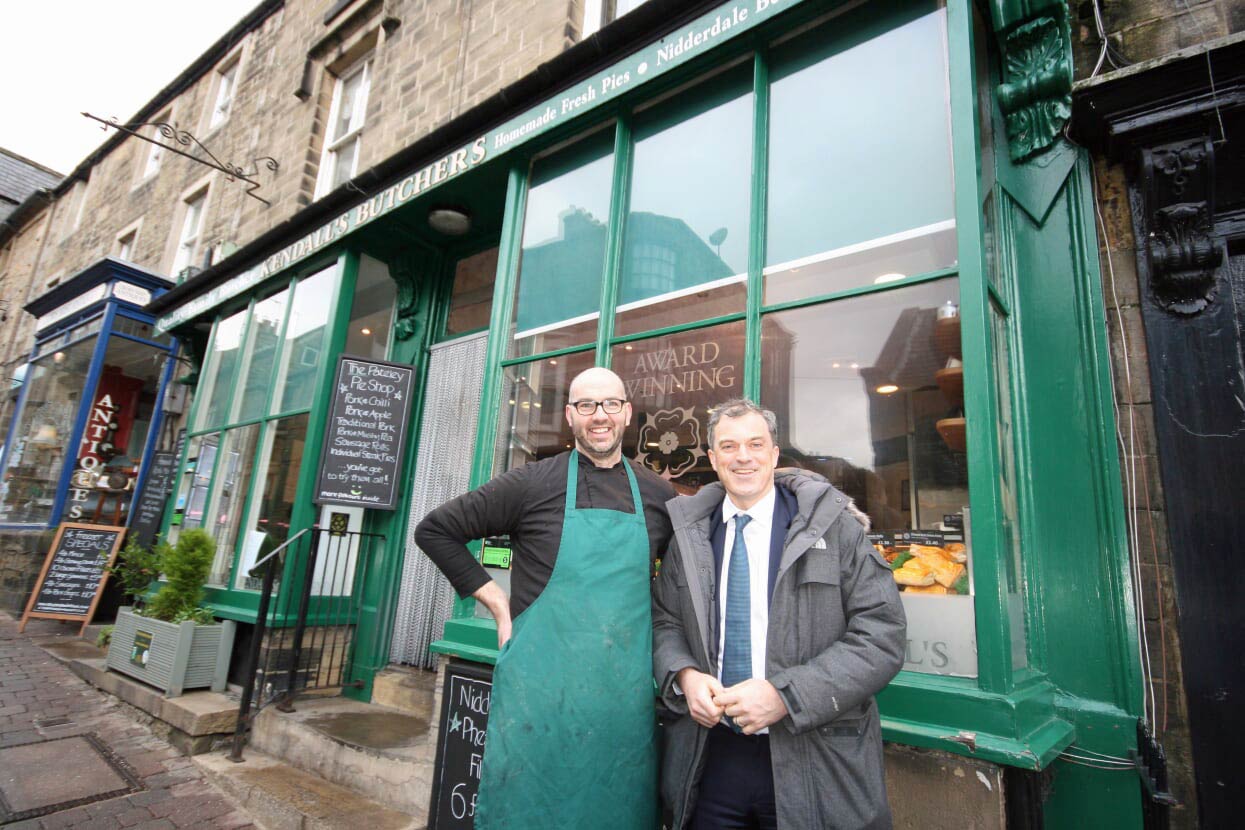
(785,509)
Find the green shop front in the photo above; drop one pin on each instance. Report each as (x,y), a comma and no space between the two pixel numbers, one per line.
(862,215)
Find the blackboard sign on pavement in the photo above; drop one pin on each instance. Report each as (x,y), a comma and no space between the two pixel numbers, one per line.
(365,433)
(460,745)
(74,573)
(148,507)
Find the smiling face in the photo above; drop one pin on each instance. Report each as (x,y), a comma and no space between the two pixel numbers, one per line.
(744,456)
(599,435)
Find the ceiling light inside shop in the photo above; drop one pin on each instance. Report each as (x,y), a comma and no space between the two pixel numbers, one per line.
(887,389)
(365,330)
(855,365)
(553,363)
(889,278)
(835,365)
(451,221)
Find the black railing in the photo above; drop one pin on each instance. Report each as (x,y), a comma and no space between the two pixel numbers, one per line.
(304,631)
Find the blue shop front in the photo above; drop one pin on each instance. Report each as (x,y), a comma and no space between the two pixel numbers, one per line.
(91,411)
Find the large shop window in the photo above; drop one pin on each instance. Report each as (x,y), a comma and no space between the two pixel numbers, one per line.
(259,382)
(869,394)
(42,433)
(558,298)
(686,253)
(860,184)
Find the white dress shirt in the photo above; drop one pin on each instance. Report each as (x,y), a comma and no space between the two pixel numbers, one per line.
(757,538)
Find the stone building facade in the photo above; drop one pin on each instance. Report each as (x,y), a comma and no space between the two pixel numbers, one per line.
(1147,42)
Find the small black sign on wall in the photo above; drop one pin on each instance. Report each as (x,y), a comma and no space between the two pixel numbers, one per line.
(365,433)
(460,745)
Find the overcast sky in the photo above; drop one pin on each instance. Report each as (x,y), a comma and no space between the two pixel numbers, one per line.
(60,58)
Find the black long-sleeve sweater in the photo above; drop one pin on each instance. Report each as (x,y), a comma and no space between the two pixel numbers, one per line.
(528,503)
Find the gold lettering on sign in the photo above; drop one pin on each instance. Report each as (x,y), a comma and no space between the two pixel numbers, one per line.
(687,368)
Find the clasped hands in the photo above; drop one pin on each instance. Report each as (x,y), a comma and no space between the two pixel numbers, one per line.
(753,704)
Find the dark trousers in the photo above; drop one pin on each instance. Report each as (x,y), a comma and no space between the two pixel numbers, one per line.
(737,787)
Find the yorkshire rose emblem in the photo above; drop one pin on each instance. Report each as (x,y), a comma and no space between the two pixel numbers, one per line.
(670,442)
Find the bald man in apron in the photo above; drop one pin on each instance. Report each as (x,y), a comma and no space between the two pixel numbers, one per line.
(572,736)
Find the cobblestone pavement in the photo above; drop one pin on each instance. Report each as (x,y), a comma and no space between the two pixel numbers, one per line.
(36,687)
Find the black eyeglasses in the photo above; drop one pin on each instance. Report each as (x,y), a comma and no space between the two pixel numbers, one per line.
(612,406)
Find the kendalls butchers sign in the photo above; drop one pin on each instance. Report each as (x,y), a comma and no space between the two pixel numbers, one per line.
(685,43)
(365,433)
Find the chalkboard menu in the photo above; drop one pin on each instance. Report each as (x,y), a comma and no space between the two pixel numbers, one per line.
(148,507)
(365,432)
(460,745)
(74,573)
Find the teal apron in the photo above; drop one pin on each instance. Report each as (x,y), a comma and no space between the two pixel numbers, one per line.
(571,733)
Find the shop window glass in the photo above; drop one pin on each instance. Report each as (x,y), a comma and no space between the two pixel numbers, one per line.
(137,328)
(279,464)
(118,425)
(42,432)
(533,412)
(860,182)
(672,382)
(220,370)
(371,313)
(303,351)
(223,516)
(263,340)
(869,393)
(558,297)
(193,484)
(471,299)
(686,250)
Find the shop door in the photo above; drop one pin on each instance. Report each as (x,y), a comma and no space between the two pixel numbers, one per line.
(1197,365)
(442,471)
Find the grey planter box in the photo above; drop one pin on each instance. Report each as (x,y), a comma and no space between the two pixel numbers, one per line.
(171,656)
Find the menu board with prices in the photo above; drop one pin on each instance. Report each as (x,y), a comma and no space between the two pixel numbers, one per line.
(365,433)
(460,745)
(74,573)
(148,507)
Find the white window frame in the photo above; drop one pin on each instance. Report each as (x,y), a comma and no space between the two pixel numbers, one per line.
(329,157)
(600,13)
(154,159)
(188,240)
(128,235)
(224,91)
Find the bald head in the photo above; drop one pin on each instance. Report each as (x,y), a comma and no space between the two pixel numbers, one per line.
(599,434)
(597,383)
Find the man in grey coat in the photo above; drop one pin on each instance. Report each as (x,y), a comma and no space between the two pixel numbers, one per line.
(775,622)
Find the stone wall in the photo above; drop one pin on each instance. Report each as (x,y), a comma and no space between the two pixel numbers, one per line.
(1142,30)
(1144,502)
(21,558)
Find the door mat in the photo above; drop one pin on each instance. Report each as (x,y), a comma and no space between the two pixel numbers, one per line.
(48,776)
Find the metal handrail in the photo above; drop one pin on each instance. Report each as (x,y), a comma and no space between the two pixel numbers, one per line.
(254,571)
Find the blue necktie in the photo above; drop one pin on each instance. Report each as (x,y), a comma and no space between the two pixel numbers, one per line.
(737,633)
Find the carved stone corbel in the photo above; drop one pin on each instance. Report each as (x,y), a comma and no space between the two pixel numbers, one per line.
(1036,94)
(1178,187)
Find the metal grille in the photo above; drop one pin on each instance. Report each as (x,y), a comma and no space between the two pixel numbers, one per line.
(442,471)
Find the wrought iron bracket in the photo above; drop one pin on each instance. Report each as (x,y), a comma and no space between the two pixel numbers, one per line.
(184,138)
(1179,192)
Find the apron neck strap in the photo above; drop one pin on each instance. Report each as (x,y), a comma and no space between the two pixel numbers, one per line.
(572,483)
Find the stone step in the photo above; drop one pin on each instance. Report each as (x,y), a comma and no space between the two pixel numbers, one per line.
(406,689)
(378,753)
(280,797)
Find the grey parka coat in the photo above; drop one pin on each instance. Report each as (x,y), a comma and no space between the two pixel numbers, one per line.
(836,637)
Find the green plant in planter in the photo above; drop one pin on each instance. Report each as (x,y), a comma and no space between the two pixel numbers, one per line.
(185,567)
(136,569)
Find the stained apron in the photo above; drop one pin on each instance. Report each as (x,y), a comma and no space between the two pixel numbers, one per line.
(572,737)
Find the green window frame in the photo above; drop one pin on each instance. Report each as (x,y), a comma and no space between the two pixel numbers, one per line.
(229,598)
(1008,708)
